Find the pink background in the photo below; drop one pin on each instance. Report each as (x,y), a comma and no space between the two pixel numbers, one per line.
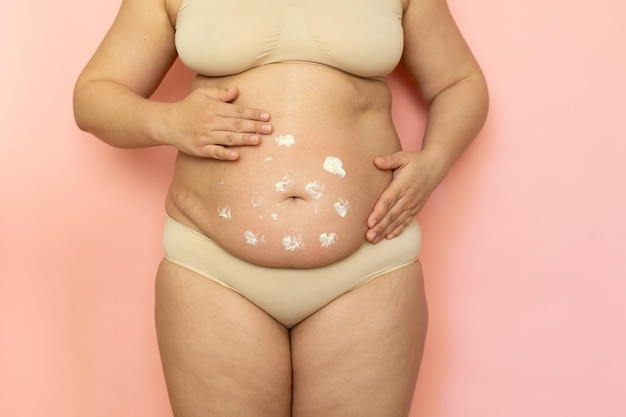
(524,242)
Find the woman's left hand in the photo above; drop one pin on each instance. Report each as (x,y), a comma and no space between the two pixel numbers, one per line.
(415,176)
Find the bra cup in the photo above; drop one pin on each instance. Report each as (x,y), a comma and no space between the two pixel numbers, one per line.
(219,38)
(366,39)
(360,37)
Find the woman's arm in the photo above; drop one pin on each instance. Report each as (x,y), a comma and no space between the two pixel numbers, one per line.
(451,82)
(111,96)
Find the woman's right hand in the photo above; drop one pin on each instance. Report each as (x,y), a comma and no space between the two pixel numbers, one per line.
(206,124)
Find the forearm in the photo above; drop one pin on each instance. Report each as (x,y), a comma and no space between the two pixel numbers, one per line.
(455,117)
(117,115)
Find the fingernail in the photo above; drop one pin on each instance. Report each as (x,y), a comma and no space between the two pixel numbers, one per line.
(266,128)
(254,139)
(265,116)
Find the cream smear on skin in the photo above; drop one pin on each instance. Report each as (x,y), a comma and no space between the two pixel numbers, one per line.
(293,243)
(334,165)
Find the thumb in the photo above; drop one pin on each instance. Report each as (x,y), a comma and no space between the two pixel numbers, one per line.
(228,94)
(390,161)
(222,94)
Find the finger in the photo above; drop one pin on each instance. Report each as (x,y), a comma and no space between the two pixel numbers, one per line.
(222,94)
(228,94)
(390,222)
(229,138)
(238,131)
(238,111)
(247,126)
(398,230)
(389,162)
(391,202)
(391,214)
(382,206)
(380,217)
(228,109)
(228,130)
(394,226)
(218,152)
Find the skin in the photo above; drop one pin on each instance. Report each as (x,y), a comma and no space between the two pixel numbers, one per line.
(357,356)
(360,354)
(346,117)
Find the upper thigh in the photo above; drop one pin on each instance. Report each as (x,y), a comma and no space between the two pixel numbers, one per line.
(360,354)
(221,354)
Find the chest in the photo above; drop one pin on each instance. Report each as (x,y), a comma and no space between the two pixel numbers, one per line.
(361,37)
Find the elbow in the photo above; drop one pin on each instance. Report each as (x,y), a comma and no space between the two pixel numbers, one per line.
(475,86)
(80,121)
(79,107)
(482,95)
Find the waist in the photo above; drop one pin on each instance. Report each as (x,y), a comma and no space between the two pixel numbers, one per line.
(301,198)
(291,88)
(287,211)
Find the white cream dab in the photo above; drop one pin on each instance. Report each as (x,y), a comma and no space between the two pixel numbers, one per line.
(256,201)
(267,159)
(315,190)
(334,165)
(252,238)
(274,216)
(328,239)
(224,213)
(284,185)
(342,207)
(291,243)
(285,140)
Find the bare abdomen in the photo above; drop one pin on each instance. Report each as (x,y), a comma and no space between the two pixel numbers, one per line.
(302,197)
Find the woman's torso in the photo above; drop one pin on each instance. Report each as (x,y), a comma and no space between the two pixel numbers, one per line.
(277,205)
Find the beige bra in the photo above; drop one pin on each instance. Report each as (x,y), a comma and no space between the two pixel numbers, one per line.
(225,37)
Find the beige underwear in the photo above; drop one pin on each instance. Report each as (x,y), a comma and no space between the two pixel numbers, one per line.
(289,295)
